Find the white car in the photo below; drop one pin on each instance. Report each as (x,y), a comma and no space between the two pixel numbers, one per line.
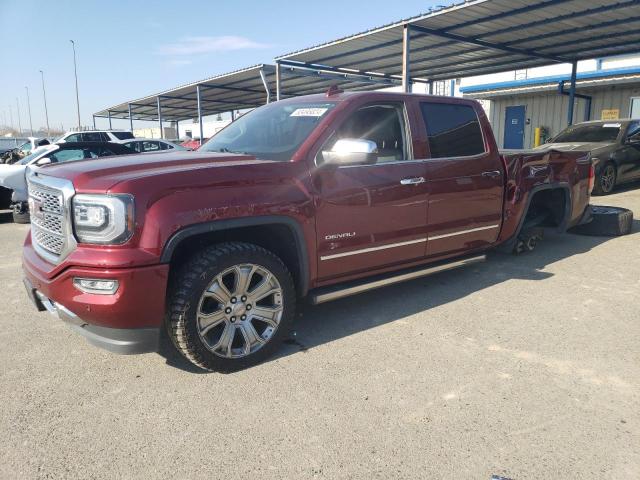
(144,145)
(13,176)
(95,136)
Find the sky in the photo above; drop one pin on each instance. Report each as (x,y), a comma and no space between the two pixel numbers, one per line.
(131,49)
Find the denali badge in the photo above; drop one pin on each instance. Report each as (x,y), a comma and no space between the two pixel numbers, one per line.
(336,236)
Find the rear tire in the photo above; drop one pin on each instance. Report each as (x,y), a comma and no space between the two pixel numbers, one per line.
(607,222)
(606,180)
(230,306)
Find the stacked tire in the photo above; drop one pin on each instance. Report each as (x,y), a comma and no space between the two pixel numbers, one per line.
(607,222)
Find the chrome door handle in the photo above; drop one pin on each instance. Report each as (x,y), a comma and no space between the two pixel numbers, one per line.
(492,173)
(412,181)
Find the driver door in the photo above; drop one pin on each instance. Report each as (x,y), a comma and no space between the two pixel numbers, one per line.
(373,215)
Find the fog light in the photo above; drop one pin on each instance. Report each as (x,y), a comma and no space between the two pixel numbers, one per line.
(98,286)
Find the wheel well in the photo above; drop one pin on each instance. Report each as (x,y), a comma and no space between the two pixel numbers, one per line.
(279,239)
(547,208)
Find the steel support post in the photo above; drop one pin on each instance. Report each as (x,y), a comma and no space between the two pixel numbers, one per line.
(572,92)
(406,60)
(278,81)
(200,126)
(263,77)
(160,118)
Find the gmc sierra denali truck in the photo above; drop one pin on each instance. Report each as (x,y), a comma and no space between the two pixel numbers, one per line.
(321,196)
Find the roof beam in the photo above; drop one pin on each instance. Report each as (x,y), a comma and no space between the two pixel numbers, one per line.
(495,46)
(364,75)
(560,18)
(312,70)
(605,36)
(568,16)
(205,100)
(517,11)
(229,87)
(509,13)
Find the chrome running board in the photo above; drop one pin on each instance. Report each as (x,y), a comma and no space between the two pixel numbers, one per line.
(328,294)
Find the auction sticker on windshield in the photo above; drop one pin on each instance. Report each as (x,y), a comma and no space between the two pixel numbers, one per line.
(308,112)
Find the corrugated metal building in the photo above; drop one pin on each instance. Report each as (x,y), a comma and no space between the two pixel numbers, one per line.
(518,107)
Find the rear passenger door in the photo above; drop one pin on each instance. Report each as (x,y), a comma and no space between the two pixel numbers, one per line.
(465,178)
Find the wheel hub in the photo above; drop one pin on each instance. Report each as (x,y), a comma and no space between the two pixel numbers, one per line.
(240,310)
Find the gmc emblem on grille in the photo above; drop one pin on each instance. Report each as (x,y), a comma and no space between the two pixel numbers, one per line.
(35,208)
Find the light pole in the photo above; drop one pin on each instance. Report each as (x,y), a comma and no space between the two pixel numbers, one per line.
(19,122)
(29,110)
(11,116)
(75,72)
(46,112)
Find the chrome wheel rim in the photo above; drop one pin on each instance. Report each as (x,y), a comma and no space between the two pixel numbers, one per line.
(240,311)
(607,179)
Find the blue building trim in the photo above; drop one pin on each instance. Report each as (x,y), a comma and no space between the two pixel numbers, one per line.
(550,79)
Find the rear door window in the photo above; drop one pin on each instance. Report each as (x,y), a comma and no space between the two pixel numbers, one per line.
(76,137)
(92,137)
(123,135)
(150,146)
(453,130)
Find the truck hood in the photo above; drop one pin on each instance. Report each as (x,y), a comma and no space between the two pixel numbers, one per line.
(100,175)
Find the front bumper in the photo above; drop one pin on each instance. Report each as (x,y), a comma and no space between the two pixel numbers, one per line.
(128,321)
(124,341)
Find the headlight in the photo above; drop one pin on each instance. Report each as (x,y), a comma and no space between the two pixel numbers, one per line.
(103,219)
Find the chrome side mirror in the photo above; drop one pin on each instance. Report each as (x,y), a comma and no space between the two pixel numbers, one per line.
(43,161)
(351,151)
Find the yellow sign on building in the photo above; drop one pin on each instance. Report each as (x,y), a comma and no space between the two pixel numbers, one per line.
(610,114)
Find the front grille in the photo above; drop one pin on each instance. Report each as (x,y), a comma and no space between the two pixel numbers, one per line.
(50,231)
(51,201)
(52,243)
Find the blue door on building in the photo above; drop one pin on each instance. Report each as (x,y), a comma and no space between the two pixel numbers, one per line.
(514,127)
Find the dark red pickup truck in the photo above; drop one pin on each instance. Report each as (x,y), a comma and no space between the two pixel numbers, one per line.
(321,196)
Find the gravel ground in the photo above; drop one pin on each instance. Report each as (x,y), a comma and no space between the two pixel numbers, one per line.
(525,367)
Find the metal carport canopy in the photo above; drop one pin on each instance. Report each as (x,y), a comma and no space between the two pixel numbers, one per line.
(242,89)
(483,36)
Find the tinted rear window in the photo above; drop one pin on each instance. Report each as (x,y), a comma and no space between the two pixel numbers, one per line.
(92,137)
(453,130)
(598,132)
(123,135)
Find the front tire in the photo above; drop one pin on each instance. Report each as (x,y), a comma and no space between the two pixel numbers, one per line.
(606,180)
(230,306)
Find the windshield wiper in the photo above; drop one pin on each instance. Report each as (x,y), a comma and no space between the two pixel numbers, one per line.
(226,150)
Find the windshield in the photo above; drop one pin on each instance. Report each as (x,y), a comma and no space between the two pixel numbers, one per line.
(35,154)
(271,132)
(599,132)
